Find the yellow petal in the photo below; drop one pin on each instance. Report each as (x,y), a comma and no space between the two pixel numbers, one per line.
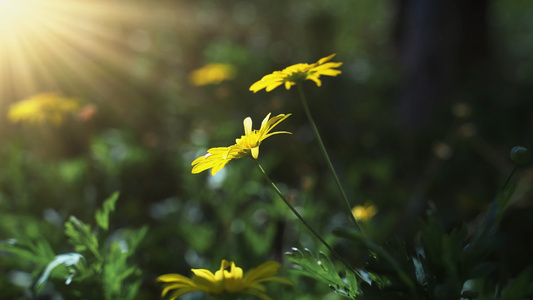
(205,165)
(247,125)
(264,123)
(173,278)
(269,82)
(255,152)
(325,59)
(314,77)
(329,72)
(177,286)
(273,85)
(269,268)
(219,167)
(257,86)
(180,293)
(329,65)
(205,274)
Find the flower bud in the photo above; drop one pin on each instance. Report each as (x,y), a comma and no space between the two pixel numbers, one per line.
(520,155)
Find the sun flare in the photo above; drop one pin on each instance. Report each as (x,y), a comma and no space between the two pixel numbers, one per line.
(12,14)
(71,45)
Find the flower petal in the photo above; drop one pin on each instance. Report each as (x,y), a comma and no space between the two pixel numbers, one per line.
(314,77)
(247,125)
(325,59)
(173,278)
(177,286)
(267,269)
(273,85)
(205,274)
(255,152)
(264,123)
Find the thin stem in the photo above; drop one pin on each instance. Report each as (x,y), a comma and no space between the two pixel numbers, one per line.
(301,219)
(370,244)
(509,177)
(325,153)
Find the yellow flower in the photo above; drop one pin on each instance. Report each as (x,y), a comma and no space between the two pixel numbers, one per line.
(212,74)
(42,108)
(364,213)
(298,73)
(246,145)
(224,281)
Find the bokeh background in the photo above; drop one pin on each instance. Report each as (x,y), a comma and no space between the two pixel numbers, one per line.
(432,96)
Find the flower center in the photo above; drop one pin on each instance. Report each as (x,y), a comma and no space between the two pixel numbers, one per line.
(250,140)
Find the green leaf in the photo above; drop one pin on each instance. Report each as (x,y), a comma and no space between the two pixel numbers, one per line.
(37,251)
(119,276)
(521,287)
(81,237)
(102,215)
(351,281)
(324,270)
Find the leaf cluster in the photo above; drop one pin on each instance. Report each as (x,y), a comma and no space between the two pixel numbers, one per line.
(459,264)
(99,267)
(324,270)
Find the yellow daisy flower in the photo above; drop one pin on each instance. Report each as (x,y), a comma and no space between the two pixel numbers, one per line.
(364,213)
(213,73)
(298,73)
(42,108)
(246,145)
(224,281)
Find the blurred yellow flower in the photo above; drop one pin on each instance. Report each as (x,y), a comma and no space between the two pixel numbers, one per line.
(364,213)
(298,73)
(224,281)
(42,108)
(212,74)
(246,145)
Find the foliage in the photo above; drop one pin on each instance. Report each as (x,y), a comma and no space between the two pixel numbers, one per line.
(141,119)
(99,269)
(324,270)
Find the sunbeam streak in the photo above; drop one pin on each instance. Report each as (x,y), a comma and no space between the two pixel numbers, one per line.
(71,46)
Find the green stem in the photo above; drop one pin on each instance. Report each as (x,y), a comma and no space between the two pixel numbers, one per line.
(325,153)
(302,220)
(509,177)
(370,244)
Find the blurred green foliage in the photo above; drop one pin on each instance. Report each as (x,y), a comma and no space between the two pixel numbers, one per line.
(150,123)
(99,267)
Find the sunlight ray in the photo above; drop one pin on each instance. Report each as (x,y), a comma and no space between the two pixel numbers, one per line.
(66,45)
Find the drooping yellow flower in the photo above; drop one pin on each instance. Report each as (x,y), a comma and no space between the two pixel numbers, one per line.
(213,73)
(298,73)
(246,145)
(364,213)
(224,281)
(42,108)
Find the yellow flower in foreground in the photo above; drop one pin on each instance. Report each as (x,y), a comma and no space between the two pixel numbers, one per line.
(248,144)
(212,74)
(298,73)
(224,281)
(364,213)
(42,108)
